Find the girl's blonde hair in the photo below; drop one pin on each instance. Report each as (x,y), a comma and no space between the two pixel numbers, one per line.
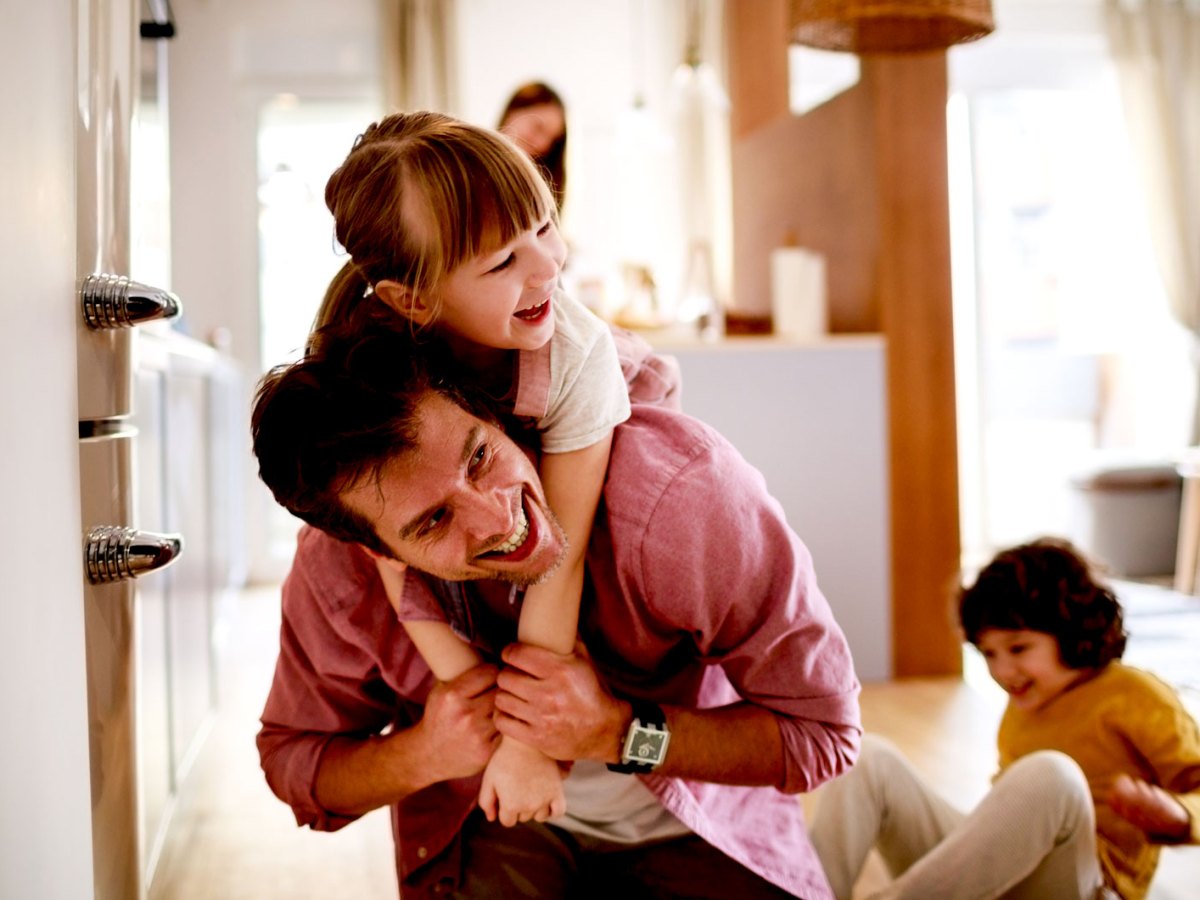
(418,195)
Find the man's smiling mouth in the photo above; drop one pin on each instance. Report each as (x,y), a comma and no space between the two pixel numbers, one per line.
(514,540)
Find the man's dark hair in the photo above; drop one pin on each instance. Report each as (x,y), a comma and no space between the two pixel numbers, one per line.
(1047,585)
(336,417)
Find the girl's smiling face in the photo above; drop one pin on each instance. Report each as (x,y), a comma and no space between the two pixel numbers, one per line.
(502,299)
(1027,664)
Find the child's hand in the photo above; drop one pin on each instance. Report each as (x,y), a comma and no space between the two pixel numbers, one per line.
(391,572)
(521,784)
(1146,806)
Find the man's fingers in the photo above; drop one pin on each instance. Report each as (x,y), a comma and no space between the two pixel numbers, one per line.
(531,659)
(476,681)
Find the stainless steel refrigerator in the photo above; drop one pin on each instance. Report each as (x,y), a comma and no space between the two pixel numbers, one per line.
(117,549)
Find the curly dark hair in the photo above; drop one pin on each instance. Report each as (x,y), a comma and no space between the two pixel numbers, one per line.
(1047,585)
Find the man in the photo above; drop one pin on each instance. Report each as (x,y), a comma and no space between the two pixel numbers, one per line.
(710,675)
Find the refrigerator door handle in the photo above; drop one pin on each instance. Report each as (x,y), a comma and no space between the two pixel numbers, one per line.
(114,553)
(114,301)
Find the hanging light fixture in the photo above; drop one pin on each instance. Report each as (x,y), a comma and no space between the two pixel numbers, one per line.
(889,26)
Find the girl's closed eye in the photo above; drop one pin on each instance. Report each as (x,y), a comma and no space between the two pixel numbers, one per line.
(500,267)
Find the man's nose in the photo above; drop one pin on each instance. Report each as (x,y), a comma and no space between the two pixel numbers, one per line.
(493,519)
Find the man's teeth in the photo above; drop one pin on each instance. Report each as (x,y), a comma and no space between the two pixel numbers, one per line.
(517,538)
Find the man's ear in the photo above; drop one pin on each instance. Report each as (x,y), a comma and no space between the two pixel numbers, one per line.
(404,300)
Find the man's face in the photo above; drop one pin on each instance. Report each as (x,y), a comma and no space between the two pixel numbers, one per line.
(464,503)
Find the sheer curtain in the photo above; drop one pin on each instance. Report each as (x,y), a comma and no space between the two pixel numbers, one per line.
(1156,47)
(419,55)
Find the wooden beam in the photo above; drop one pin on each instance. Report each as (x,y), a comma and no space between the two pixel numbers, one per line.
(757,45)
(914,289)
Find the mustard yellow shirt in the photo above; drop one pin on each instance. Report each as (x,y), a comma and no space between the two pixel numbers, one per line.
(1122,720)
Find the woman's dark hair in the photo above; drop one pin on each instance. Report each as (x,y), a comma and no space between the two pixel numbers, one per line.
(1047,585)
(554,160)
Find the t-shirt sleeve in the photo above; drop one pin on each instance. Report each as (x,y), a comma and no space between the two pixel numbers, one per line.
(588,393)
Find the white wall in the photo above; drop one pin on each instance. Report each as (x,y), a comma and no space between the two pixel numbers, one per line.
(45,817)
(600,57)
(227,59)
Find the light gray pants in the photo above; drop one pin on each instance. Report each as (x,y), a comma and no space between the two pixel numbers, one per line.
(1032,837)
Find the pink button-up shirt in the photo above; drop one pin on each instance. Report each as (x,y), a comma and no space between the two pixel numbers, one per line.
(698,594)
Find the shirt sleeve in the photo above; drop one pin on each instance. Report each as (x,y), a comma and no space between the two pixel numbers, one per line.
(588,393)
(719,558)
(1166,736)
(329,679)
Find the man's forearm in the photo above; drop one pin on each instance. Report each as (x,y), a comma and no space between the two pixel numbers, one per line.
(455,738)
(358,775)
(737,744)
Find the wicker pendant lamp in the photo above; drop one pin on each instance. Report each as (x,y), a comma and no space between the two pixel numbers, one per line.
(889,26)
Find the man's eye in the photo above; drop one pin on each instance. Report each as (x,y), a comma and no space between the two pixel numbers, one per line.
(478,457)
(436,519)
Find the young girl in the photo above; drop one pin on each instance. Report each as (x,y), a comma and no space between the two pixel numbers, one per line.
(451,227)
(1099,762)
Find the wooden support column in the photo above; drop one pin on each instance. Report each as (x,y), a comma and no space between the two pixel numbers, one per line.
(909,117)
(863,180)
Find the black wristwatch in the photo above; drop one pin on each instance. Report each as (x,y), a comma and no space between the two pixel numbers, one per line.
(645,744)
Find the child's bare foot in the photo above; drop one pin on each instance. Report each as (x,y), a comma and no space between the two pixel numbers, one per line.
(1149,807)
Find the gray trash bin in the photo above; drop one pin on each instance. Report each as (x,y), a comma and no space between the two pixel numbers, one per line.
(1126,516)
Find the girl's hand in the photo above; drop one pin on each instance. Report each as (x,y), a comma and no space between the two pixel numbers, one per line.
(1146,806)
(521,784)
(391,573)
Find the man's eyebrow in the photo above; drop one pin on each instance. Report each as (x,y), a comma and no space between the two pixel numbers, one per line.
(468,449)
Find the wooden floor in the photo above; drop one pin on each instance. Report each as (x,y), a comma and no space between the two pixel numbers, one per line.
(232,840)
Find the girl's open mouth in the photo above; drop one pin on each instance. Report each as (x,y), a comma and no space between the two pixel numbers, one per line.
(533,313)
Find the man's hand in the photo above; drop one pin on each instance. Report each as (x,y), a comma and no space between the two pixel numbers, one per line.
(557,704)
(1145,805)
(458,724)
(520,784)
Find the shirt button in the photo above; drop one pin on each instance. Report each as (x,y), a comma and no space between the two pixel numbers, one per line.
(422,852)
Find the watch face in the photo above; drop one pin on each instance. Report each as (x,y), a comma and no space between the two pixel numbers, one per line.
(646,746)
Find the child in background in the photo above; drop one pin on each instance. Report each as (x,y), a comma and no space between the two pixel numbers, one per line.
(451,227)
(1099,761)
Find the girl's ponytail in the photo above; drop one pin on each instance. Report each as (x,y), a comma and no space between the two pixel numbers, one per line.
(349,309)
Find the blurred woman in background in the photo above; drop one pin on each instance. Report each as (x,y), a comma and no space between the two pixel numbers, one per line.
(536,119)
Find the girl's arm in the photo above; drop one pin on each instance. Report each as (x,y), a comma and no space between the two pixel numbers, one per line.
(446,654)
(572,482)
(520,783)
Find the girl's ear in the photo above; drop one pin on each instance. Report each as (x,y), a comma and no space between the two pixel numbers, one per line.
(404,300)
